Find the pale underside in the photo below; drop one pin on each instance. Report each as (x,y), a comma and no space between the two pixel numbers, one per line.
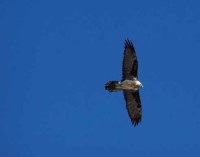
(129,84)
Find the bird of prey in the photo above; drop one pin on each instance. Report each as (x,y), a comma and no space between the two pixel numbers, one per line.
(129,83)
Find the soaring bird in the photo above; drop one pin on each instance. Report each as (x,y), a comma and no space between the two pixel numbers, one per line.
(129,83)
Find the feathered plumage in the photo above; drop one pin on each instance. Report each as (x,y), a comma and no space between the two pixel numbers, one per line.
(129,83)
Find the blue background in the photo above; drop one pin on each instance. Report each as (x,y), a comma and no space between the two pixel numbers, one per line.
(55,57)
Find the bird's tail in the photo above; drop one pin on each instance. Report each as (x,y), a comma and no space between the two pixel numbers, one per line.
(113,86)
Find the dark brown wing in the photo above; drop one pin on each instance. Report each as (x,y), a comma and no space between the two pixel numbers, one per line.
(133,105)
(130,63)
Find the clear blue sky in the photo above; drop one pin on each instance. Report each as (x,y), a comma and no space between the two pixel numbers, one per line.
(55,57)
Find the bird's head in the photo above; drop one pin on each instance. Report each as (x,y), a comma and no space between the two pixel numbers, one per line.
(138,84)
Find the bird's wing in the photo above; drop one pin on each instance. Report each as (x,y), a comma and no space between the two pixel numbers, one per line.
(133,105)
(130,63)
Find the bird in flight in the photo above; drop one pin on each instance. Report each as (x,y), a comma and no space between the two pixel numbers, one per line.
(129,83)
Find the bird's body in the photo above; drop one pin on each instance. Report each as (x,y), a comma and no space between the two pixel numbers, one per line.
(122,85)
(129,84)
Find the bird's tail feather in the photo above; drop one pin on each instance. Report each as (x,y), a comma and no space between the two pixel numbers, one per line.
(113,86)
